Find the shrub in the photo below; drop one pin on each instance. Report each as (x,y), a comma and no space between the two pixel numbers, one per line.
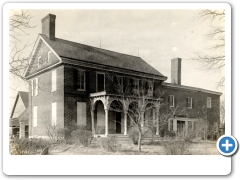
(133,134)
(176,147)
(84,137)
(26,146)
(109,144)
(66,133)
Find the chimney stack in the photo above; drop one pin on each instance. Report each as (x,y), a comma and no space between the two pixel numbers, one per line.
(176,71)
(48,26)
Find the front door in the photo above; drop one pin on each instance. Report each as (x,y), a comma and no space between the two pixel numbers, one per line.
(118,122)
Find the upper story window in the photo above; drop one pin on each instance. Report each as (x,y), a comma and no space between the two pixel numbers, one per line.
(189,103)
(209,102)
(39,61)
(81,82)
(54,80)
(120,84)
(34,85)
(49,56)
(100,82)
(135,86)
(171,101)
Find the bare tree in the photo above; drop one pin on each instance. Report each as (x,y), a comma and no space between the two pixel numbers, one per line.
(137,99)
(19,24)
(214,56)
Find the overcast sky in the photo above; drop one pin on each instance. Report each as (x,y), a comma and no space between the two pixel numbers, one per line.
(156,36)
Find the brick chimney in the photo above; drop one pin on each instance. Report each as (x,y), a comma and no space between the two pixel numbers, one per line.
(48,26)
(176,71)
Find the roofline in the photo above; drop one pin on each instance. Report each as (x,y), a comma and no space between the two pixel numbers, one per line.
(19,92)
(116,69)
(14,106)
(191,88)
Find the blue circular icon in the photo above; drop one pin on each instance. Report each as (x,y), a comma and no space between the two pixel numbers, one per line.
(227,145)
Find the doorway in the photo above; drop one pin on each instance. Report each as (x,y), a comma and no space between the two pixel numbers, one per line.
(118,122)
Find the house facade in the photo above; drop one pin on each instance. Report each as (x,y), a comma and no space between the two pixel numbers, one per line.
(73,85)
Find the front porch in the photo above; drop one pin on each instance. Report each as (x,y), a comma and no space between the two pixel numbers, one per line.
(110,114)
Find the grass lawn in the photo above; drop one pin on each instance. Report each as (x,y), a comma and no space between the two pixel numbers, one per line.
(127,148)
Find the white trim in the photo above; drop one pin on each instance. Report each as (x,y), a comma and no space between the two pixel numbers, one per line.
(30,76)
(35,112)
(54,80)
(54,114)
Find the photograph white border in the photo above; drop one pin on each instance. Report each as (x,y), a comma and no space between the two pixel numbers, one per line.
(103,165)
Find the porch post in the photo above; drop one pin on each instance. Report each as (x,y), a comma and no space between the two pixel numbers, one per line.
(186,128)
(106,122)
(92,116)
(125,122)
(22,129)
(175,125)
(157,118)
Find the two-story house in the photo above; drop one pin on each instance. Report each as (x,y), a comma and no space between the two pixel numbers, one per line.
(72,84)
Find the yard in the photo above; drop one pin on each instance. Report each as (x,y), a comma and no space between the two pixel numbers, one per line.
(127,148)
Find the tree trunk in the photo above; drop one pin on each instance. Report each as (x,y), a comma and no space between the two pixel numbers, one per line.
(139,140)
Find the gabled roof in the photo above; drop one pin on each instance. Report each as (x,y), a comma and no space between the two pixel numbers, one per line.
(73,50)
(24,96)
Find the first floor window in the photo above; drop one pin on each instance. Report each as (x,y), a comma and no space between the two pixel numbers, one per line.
(81,114)
(34,116)
(209,103)
(54,114)
(189,103)
(171,101)
(81,80)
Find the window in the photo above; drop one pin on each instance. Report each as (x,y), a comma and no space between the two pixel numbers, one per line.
(120,84)
(209,103)
(34,116)
(189,103)
(81,114)
(100,82)
(135,86)
(171,101)
(34,85)
(39,61)
(54,114)
(54,80)
(49,56)
(81,83)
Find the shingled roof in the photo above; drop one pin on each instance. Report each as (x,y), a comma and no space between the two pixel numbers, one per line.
(95,55)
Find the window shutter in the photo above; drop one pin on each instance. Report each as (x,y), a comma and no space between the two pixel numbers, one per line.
(36,86)
(75,79)
(186,102)
(192,104)
(81,114)
(54,114)
(175,101)
(86,81)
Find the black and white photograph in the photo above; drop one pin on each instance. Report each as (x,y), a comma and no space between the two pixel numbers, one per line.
(116,82)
